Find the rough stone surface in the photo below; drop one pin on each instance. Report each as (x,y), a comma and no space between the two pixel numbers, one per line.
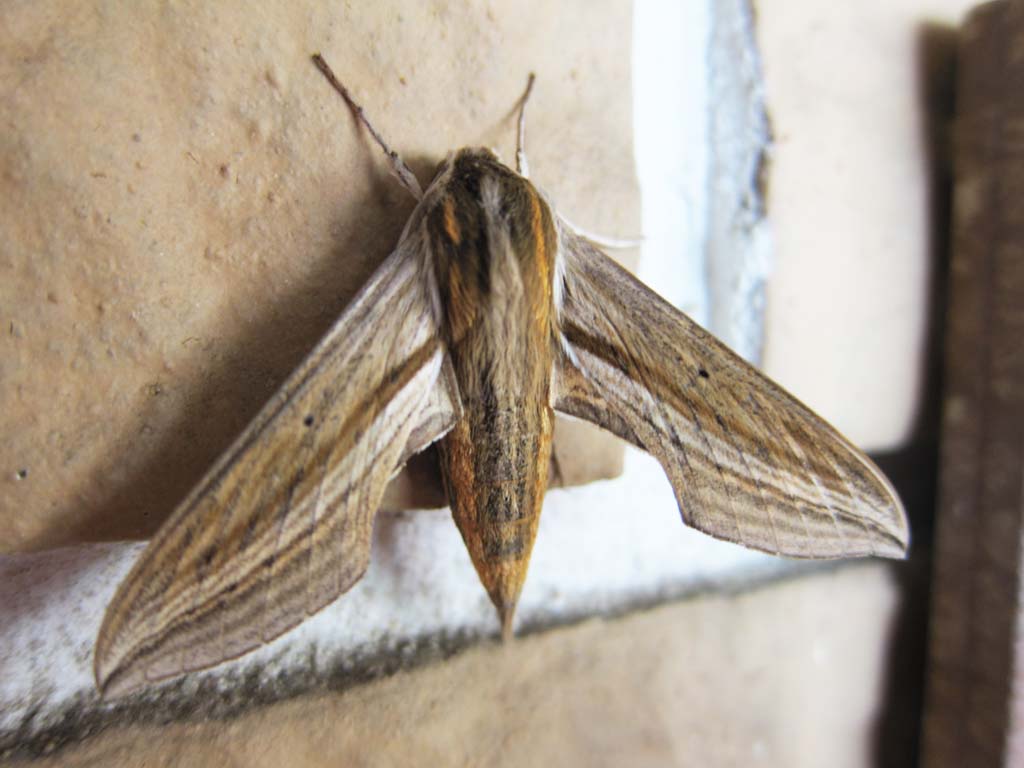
(186,206)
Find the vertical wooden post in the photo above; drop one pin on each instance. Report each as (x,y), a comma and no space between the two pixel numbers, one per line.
(974,707)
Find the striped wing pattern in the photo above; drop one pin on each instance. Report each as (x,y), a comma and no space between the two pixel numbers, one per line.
(281,525)
(747,461)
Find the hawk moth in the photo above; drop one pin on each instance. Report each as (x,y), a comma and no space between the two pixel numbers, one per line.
(491,314)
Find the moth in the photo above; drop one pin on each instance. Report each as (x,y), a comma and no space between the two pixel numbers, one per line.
(491,314)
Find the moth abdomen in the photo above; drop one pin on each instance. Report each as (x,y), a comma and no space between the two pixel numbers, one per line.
(502,548)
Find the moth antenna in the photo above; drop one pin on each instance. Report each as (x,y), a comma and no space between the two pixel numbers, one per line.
(398,167)
(522,168)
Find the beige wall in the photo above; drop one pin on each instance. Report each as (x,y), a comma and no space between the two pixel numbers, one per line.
(849,203)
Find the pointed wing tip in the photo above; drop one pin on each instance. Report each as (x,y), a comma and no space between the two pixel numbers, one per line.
(886,537)
(892,534)
(897,542)
(113,682)
(895,548)
(114,678)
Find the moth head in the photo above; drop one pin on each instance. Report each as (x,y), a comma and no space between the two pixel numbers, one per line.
(464,169)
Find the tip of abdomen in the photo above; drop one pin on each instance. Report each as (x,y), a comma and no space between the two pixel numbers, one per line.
(506,613)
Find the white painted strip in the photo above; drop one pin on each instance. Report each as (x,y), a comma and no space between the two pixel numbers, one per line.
(600,548)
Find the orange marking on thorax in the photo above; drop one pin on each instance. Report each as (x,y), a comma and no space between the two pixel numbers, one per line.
(541,255)
(451,225)
(537,225)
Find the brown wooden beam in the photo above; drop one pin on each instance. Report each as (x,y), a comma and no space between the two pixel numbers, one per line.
(973,708)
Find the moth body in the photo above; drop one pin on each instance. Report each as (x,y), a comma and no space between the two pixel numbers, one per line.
(494,246)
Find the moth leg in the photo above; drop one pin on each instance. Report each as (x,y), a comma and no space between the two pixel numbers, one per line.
(522,167)
(398,167)
(555,471)
(603,241)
